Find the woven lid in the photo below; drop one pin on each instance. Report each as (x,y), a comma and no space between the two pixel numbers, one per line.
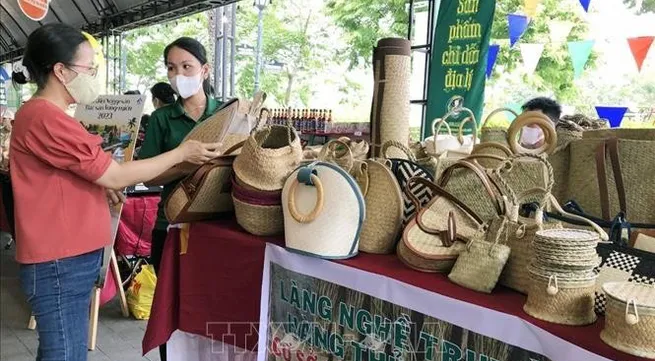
(643,295)
(566,236)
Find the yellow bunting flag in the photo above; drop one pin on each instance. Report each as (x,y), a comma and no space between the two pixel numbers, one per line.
(530,7)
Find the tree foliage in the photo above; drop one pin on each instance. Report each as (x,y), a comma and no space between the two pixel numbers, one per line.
(366,21)
(641,6)
(554,72)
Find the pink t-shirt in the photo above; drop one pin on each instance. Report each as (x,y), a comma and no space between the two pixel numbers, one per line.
(59,211)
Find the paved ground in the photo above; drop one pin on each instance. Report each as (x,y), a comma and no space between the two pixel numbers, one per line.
(119,339)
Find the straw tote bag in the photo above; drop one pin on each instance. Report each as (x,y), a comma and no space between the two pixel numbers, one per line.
(384,207)
(455,146)
(205,194)
(268,157)
(403,170)
(258,212)
(324,211)
(495,134)
(436,236)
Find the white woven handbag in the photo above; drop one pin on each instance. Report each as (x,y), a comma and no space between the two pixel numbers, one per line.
(324,210)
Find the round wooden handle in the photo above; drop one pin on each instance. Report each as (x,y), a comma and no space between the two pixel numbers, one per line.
(436,127)
(474,127)
(320,198)
(498,111)
(529,118)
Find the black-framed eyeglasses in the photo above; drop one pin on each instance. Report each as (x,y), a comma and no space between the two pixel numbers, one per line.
(92,70)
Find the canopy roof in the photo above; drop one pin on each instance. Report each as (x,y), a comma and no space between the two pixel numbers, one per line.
(98,17)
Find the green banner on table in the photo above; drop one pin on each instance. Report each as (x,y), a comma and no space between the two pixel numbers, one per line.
(310,319)
(459,59)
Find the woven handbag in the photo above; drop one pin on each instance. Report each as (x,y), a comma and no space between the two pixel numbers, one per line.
(403,170)
(455,146)
(478,267)
(258,212)
(269,155)
(495,134)
(630,318)
(205,194)
(324,211)
(433,240)
(384,207)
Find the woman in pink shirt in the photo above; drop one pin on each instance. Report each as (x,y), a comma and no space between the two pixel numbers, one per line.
(62,181)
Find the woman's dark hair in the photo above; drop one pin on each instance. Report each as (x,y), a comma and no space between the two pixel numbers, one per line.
(164,92)
(48,45)
(196,49)
(548,106)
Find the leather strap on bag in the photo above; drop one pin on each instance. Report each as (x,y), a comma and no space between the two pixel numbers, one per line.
(484,179)
(612,146)
(190,184)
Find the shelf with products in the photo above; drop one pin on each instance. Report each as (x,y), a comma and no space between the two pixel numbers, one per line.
(312,123)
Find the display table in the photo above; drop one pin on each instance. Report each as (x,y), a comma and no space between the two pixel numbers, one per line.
(214,292)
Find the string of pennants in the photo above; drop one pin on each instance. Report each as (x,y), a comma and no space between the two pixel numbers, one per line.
(579,51)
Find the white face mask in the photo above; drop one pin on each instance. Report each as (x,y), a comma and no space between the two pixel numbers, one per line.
(531,136)
(84,88)
(187,86)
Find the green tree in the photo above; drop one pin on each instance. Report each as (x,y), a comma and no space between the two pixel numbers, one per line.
(555,70)
(367,21)
(294,36)
(641,6)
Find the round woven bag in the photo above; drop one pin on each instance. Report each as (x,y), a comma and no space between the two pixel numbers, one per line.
(630,318)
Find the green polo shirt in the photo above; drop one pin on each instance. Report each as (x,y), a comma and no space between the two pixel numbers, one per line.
(167,128)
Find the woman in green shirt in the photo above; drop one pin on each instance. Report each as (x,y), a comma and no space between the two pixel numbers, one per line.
(188,73)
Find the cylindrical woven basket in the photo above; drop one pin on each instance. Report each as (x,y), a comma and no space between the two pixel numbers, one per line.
(391,93)
(268,157)
(258,212)
(570,302)
(627,303)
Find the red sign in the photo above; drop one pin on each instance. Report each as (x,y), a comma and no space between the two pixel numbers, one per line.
(34,9)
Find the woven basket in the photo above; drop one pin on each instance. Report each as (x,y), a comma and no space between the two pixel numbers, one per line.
(455,146)
(268,157)
(258,212)
(434,247)
(532,118)
(630,318)
(561,301)
(384,207)
(391,93)
(480,265)
(427,162)
(495,134)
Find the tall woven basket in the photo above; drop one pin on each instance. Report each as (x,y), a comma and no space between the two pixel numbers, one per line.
(390,110)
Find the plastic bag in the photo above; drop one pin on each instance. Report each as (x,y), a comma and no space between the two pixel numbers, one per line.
(141,292)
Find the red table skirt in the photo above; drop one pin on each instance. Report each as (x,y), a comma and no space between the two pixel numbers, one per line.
(213,290)
(219,281)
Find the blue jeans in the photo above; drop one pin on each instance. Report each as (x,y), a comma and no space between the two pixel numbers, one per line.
(60,295)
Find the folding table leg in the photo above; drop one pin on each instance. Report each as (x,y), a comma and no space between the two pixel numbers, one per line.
(93,321)
(119,284)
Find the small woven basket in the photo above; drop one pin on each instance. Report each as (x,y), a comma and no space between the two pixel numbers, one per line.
(480,265)
(258,212)
(561,300)
(630,318)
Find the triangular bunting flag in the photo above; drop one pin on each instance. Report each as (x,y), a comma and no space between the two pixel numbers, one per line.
(640,47)
(530,7)
(491,58)
(531,54)
(4,76)
(585,4)
(613,114)
(518,24)
(580,52)
(559,31)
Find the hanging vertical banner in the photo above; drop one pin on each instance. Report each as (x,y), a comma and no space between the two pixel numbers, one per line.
(491,58)
(585,4)
(34,9)
(459,58)
(531,54)
(530,7)
(580,52)
(613,114)
(639,48)
(559,31)
(518,24)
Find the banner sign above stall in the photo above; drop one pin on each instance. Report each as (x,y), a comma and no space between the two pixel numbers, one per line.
(34,9)
(459,58)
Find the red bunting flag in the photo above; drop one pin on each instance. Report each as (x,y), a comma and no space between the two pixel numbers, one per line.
(640,47)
